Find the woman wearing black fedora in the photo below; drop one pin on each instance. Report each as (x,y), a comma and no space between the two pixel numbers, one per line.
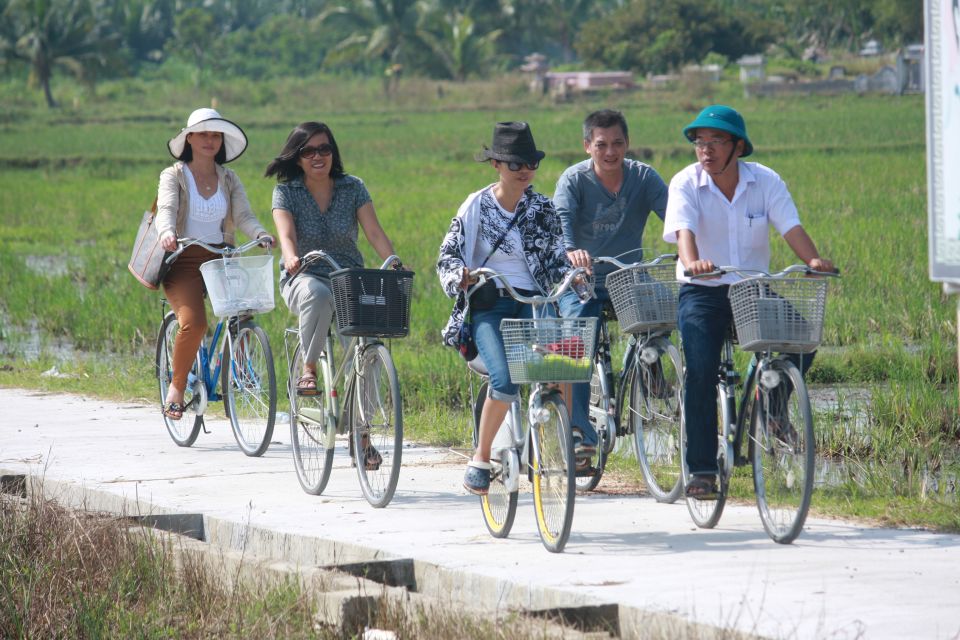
(512,229)
(199,198)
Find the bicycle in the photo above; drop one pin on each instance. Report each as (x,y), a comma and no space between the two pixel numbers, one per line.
(539,351)
(369,304)
(649,400)
(772,313)
(238,355)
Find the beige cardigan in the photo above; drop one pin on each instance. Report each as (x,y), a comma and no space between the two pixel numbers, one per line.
(173,203)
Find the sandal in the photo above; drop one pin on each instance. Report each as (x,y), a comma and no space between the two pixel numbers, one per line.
(702,488)
(307,384)
(173,410)
(371,458)
(476,479)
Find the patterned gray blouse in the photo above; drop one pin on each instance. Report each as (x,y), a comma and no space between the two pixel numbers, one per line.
(333,230)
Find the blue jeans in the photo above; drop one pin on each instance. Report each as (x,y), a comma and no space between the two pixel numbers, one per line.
(704,318)
(570,307)
(486,333)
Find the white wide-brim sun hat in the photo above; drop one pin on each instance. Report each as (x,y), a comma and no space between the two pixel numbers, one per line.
(234,140)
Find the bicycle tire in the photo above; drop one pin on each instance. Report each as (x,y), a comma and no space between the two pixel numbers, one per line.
(249,386)
(706,513)
(554,482)
(782,450)
(381,421)
(499,506)
(312,428)
(184,431)
(656,393)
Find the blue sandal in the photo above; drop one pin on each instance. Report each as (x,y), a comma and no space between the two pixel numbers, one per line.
(476,479)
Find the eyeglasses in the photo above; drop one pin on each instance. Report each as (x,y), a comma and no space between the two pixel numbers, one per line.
(516,166)
(312,152)
(699,143)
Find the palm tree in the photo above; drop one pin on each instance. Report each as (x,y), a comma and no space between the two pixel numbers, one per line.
(51,34)
(383,29)
(462,50)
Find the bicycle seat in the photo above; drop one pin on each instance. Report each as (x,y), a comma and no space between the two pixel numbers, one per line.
(477,366)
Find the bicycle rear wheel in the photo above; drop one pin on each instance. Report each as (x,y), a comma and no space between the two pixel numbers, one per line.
(312,428)
(706,513)
(376,420)
(782,445)
(554,482)
(499,506)
(655,406)
(249,386)
(185,430)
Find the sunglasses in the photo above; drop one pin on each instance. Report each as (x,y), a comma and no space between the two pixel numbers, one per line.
(320,150)
(516,166)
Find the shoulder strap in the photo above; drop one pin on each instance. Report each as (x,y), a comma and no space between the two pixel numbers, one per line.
(496,245)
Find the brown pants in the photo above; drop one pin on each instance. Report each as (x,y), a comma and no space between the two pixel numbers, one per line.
(184,289)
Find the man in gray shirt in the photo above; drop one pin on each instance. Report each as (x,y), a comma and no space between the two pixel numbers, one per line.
(603,203)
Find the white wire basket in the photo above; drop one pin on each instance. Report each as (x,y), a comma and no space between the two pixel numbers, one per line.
(779,314)
(549,349)
(239,285)
(644,297)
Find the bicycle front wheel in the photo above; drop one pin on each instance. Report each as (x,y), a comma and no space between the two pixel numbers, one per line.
(706,513)
(376,420)
(499,505)
(249,386)
(655,406)
(185,430)
(554,480)
(783,452)
(312,428)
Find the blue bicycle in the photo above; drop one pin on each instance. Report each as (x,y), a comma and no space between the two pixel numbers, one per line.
(238,355)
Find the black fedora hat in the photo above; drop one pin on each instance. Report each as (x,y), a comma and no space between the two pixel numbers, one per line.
(512,142)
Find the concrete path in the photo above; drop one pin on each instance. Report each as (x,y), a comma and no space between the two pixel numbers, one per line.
(838,580)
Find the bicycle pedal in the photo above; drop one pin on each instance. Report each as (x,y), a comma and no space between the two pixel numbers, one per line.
(589,472)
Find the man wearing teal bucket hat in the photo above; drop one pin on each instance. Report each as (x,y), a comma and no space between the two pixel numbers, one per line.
(719,211)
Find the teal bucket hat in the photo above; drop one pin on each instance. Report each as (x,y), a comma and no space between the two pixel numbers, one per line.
(723,118)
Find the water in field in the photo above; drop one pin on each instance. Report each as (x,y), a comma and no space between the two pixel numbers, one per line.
(841,415)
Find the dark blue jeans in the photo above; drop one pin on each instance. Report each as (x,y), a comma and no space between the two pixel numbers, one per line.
(486,333)
(704,319)
(570,307)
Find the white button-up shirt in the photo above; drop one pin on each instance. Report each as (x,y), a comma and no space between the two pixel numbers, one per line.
(736,232)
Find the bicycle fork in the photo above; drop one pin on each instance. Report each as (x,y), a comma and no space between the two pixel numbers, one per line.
(513,448)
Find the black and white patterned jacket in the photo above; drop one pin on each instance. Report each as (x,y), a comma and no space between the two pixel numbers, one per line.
(539,227)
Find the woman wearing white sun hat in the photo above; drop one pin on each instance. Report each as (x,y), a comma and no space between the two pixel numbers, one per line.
(199,198)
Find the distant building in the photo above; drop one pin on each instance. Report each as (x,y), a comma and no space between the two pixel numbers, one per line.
(910,69)
(708,72)
(871,48)
(752,68)
(589,80)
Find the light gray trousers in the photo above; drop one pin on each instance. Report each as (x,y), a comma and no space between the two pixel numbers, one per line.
(311,299)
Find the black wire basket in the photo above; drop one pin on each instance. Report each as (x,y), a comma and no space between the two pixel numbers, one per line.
(373,303)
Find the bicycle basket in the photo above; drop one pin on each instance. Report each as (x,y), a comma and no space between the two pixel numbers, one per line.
(644,297)
(242,284)
(549,349)
(779,314)
(372,302)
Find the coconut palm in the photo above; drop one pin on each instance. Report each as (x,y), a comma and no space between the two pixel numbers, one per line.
(57,34)
(382,29)
(463,51)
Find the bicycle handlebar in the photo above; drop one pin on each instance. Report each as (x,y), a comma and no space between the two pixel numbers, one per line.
(316,255)
(759,273)
(484,273)
(622,265)
(184,243)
